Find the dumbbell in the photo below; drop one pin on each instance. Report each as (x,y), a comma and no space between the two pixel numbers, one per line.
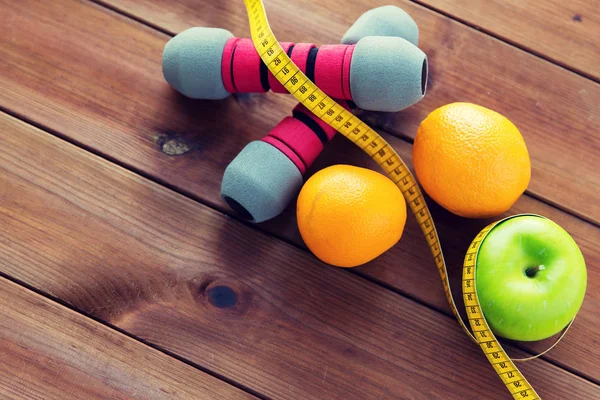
(378,73)
(267,174)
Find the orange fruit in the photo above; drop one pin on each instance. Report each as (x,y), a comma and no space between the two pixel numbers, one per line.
(348,215)
(471,160)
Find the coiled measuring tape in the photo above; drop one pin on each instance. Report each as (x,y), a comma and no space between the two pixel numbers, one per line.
(350,126)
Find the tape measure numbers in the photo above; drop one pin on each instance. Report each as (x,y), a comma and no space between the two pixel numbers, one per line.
(506,369)
(346,123)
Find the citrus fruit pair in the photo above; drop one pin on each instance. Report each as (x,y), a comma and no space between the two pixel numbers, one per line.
(469,159)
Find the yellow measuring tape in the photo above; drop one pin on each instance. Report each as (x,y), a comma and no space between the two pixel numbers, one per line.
(346,123)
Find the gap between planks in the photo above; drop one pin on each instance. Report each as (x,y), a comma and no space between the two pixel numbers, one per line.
(182,192)
(116,168)
(63,304)
(189,195)
(255,227)
(500,38)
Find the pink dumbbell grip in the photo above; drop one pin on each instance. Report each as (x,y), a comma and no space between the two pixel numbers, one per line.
(301,137)
(328,67)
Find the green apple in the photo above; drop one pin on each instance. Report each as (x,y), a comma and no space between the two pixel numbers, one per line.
(531,278)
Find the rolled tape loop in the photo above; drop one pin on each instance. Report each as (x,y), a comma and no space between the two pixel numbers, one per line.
(474,314)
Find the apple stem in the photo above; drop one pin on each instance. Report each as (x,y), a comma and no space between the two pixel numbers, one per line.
(532,271)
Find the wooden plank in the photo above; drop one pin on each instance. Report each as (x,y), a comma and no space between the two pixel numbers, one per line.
(125,104)
(551,106)
(237,302)
(119,105)
(51,352)
(565,32)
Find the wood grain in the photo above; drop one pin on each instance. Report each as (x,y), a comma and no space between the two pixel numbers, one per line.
(119,105)
(551,106)
(235,301)
(565,32)
(51,352)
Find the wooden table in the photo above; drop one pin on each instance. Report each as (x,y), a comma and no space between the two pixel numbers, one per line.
(123,275)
